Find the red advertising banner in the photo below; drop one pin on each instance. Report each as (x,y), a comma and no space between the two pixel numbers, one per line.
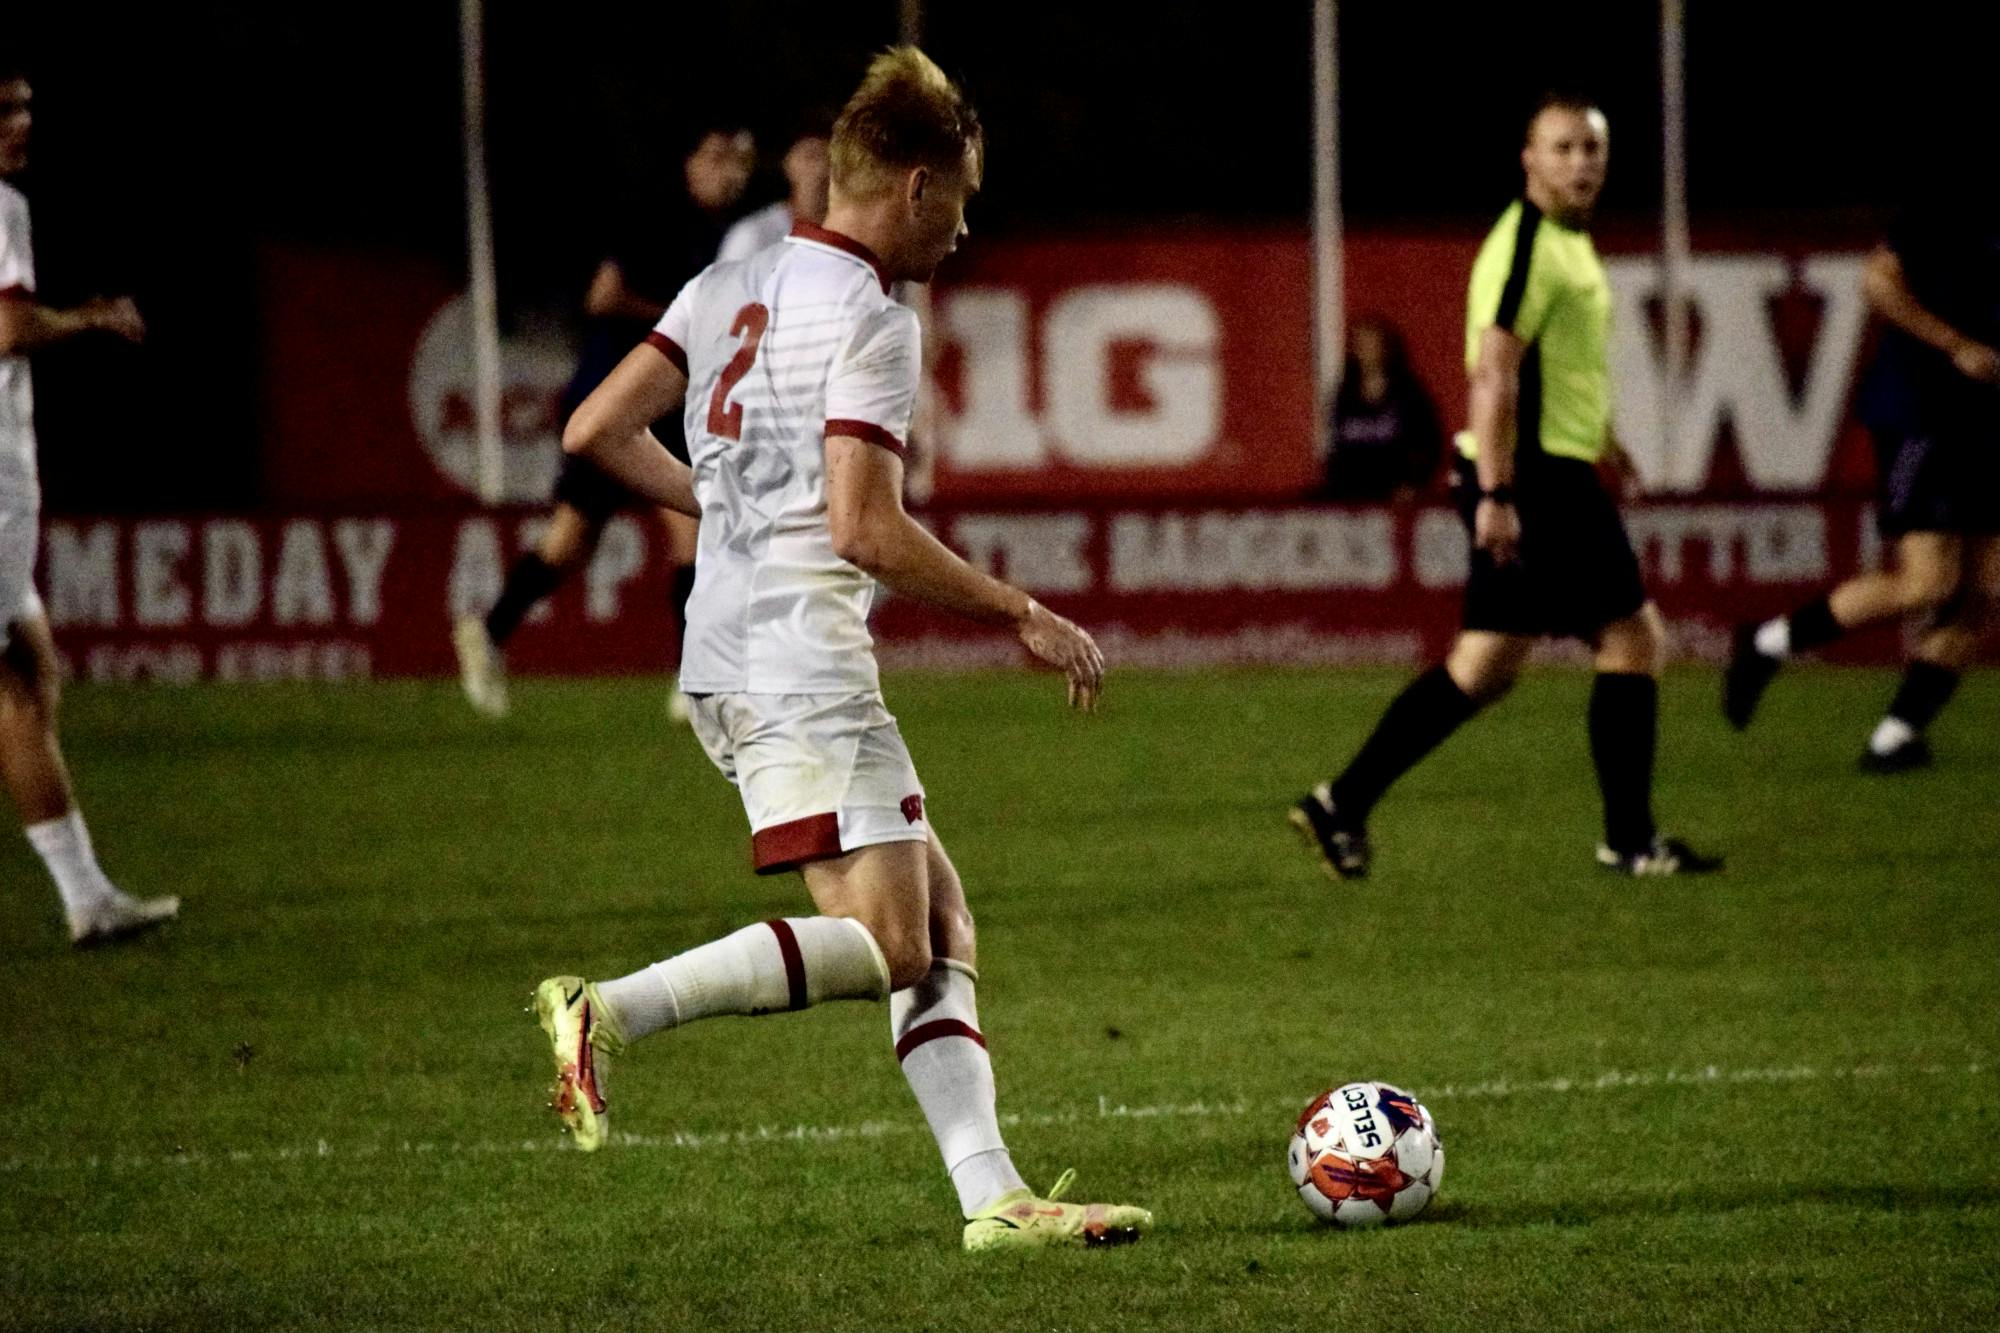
(328,596)
(1097,371)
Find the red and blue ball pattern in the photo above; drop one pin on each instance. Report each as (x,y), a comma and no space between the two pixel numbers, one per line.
(1364,1154)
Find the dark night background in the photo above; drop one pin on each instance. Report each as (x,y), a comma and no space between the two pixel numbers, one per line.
(172,141)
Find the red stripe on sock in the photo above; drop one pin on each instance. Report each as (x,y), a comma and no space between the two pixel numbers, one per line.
(931,1031)
(795,962)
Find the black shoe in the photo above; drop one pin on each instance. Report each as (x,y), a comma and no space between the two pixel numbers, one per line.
(1667,856)
(1911,754)
(1745,678)
(1342,846)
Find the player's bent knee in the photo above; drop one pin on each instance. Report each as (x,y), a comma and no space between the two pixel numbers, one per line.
(908,956)
(953,935)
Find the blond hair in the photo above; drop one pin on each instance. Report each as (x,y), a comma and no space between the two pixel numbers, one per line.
(906,113)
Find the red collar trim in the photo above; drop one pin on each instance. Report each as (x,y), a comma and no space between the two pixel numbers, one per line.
(807,231)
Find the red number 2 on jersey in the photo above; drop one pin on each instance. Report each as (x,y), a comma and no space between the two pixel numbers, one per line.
(725,421)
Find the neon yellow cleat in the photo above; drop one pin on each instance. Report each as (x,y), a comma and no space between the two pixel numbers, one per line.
(582,1033)
(1019,1219)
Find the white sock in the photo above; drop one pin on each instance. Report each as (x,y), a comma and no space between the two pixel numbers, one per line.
(64,845)
(1891,735)
(936,1027)
(1774,638)
(761,969)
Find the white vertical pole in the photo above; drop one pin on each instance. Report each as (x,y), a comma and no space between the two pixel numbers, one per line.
(927,428)
(1675,247)
(1329,278)
(479,253)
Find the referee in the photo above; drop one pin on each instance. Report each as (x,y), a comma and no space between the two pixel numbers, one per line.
(1550,557)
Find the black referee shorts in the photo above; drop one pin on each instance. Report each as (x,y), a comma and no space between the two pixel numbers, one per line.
(1575,572)
(1938,482)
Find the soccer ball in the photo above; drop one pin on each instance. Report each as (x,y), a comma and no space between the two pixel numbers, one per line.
(1364,1154)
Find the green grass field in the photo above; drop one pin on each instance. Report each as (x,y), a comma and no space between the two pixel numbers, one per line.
(1767,1100)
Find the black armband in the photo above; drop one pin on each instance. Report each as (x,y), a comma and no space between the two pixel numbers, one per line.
(1501,494)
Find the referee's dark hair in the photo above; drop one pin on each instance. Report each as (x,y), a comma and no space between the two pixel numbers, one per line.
(1557,99)
(12,68)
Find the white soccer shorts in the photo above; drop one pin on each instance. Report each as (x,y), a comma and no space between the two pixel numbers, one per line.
(820,774)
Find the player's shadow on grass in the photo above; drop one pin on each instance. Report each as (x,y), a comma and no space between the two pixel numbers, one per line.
(1699,1200)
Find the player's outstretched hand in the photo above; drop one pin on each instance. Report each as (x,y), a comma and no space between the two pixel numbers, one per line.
(1066,646)
(117,315)
(1977,361)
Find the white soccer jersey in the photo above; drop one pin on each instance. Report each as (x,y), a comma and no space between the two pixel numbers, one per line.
(798,342)
(753,232)
(17,390)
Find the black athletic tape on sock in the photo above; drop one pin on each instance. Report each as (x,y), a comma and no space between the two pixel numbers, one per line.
(1813,626)
(1419,719)
(1925,690)
(528,582)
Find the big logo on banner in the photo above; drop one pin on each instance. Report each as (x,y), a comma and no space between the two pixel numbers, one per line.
(1099,370)
(534,369)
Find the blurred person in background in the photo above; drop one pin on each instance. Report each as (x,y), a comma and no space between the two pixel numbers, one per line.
(629,291)
(1550,555)
(1383,436)
(1932,402)
(31,760)
(805,168)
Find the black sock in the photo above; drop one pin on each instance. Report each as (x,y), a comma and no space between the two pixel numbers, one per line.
(1624,729)
(531,579)
(1926,689)
(1429,709)
(683,588)
(1813,626)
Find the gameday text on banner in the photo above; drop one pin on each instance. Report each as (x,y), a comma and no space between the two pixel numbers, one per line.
(317,596)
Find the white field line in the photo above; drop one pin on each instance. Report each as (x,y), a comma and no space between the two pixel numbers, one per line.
(1105,1108)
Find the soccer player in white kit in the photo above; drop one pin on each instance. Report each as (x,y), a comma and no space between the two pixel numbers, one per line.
(31,762)
(799,375)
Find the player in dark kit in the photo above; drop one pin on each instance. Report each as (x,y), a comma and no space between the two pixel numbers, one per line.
(1932,401)
(1550,556)
(627,295)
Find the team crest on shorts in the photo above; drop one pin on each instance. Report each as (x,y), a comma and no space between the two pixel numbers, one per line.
(913,807)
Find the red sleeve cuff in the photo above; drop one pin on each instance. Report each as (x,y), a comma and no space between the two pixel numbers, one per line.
(669,349)
(17,292)
(868,431)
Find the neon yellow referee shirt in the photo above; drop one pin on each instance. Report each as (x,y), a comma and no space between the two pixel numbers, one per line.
(1542,282)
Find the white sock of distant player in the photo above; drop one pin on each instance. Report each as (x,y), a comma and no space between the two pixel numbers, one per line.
(1774,638)
(64,846)
(786,964)
(1891,735)
(936,1027)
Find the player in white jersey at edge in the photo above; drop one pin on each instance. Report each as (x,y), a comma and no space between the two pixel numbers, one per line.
(31,761)
(799,374)
(805,168)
